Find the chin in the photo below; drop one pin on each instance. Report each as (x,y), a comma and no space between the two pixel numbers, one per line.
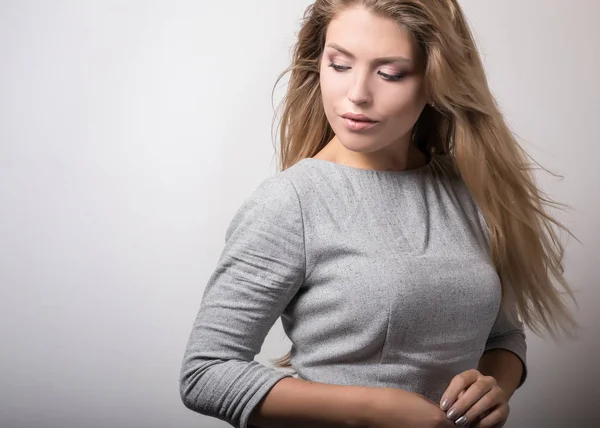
(358,143)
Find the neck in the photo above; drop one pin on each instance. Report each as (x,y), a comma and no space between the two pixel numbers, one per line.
(396,158)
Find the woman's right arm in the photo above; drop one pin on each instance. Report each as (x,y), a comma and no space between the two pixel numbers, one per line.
(259,271)
(295,403)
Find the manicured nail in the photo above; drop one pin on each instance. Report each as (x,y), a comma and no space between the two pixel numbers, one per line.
(452,414)
(445,404)
(461,421)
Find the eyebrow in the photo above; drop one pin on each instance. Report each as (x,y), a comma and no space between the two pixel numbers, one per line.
(384,60)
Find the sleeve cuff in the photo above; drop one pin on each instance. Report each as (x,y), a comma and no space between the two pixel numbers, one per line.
(258,396)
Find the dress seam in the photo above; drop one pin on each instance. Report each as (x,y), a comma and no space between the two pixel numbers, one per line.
(385,340)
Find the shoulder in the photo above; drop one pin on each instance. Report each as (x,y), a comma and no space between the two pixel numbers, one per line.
(284,191)
(275,192)
(273,202)
(293,186)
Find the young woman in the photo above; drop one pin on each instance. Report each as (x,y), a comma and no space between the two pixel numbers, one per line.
(404,242)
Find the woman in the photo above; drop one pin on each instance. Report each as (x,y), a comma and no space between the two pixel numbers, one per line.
(404,243)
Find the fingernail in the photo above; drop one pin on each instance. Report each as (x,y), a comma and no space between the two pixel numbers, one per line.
(445,404)
(461,420)
(452,413)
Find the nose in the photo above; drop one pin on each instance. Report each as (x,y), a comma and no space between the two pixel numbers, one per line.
(359,92)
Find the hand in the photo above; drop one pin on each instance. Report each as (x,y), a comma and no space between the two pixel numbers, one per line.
(475,400)
(397,408)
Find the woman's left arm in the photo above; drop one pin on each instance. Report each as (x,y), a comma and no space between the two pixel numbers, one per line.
(505,367)
(480,397)
(505,350)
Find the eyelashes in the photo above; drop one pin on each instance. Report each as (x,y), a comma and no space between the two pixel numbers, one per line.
(389,77)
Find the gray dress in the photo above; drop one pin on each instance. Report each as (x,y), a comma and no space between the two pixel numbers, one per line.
(381,279)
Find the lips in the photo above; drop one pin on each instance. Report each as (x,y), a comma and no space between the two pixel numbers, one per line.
(358,117)
(359,125)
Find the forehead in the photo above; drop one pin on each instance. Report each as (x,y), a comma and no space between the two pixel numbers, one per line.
(368,36)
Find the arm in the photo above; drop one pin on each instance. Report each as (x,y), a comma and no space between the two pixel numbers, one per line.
(505,367)
(296,403)
(506,340)
(504,357)
(482,395)
(260,269)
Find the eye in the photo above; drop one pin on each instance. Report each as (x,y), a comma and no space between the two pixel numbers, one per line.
(388,77)
(338,68)
(392,77)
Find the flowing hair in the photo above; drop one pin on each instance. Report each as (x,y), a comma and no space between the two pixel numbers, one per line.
(464,122)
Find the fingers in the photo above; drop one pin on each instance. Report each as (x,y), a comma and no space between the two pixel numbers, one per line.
(472,398)
(460,383)
(495,419)
(478,398)
(491,402)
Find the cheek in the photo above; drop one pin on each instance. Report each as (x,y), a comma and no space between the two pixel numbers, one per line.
(330,93)
(330,86)
(402,107)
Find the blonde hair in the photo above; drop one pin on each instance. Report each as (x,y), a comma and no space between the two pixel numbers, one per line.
(465,124)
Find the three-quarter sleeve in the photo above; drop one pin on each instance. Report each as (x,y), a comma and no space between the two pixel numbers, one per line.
(259,271)
(508,333)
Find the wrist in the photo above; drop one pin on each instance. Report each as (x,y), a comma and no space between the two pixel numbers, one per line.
(504,366)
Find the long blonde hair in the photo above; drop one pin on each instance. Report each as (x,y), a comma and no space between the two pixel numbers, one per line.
(465,124)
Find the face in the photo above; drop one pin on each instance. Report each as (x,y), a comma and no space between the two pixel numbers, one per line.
(369,67)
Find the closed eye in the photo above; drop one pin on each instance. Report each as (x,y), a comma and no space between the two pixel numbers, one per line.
(389,77)
(392,77)
(339,68)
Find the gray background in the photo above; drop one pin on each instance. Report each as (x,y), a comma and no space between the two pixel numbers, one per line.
(130,132)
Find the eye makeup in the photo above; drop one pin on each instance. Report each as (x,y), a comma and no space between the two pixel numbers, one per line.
(386,76)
